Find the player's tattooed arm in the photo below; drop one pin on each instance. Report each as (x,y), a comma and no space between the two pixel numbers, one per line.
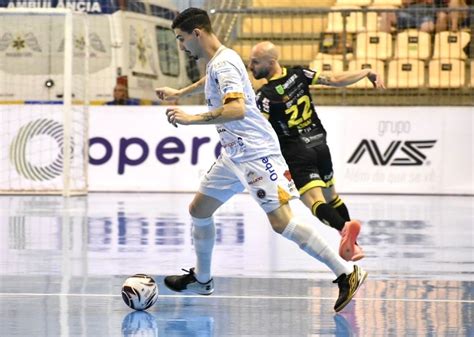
(323,80)
(209,116)
(233,109)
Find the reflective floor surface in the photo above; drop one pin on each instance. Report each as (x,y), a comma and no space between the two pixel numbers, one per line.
(62,263)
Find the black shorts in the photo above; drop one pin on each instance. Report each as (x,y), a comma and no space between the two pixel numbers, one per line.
(309,167)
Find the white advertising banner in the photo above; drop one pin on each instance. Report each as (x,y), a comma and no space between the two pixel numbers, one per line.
(426,150)
(134,148)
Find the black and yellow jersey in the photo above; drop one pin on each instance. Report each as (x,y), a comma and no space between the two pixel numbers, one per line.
(287,103)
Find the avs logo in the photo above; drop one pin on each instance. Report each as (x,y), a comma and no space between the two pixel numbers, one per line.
(398,152)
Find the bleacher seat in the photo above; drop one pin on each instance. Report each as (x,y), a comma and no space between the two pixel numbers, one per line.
(327,66)
(291,3)
(450,45)
(471,84)
(406,73)
(397,3)
(354,21)
(322,56)
(446,73)
(361,3)
(413,44)
(376,45)
(359,64)
(372,18)
(243,49)
(279,26)
(294,53)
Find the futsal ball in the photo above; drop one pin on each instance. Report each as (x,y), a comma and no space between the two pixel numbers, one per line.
(139,292)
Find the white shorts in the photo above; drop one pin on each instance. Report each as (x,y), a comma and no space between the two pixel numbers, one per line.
(267,179)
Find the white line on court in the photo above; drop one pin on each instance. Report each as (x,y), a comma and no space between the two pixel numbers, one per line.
(247,297)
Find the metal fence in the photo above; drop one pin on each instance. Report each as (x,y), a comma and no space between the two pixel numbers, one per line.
(423,59)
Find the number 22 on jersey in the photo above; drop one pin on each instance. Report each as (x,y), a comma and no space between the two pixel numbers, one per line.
(300,113)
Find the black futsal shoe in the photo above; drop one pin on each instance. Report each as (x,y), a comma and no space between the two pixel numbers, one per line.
(348,286)
(188,283)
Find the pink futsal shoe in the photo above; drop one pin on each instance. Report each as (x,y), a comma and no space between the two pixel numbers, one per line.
(349,250)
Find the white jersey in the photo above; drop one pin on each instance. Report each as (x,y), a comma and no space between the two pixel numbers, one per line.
(249,138)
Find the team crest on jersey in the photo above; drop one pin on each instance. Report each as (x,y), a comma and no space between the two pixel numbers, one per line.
(279,89)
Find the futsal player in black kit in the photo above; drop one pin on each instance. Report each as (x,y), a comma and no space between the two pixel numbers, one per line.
(286,102)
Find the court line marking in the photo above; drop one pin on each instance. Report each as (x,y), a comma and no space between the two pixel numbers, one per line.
(258,297)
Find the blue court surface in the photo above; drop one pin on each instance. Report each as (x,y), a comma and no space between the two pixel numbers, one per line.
(63,261)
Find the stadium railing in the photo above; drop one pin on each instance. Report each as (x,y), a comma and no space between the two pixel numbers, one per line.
(419,68)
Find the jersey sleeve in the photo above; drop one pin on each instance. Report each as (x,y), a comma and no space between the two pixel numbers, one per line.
(310,76)
(229,81)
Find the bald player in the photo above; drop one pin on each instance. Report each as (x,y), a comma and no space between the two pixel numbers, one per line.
(287,103)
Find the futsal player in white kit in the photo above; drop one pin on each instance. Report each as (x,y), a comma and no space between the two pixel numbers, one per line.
(250,159)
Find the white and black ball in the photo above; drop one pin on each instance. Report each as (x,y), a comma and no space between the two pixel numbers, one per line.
(139,291)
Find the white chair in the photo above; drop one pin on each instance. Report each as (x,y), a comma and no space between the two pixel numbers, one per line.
(326,65)
(450,45)
(446,73)
(323,56)
(354,21)
(359,64)
(406,73)
(413,44)
(471,84)
(396,3)
(361,3)
(376,45)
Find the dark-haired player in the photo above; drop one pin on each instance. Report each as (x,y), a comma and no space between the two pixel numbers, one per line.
(251,159)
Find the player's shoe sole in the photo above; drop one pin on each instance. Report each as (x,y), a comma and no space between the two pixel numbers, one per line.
(348,249)
(358,253)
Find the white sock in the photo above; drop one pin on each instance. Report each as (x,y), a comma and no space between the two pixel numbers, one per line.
(309,240)
(204,235)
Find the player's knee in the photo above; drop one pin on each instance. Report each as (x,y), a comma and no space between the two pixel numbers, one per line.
(198,210)
(277,226)
(279,218)
(194,210)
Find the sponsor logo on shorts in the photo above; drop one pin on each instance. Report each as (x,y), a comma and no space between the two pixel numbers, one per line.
(269,168)
(261,194)
(253,181)
(328,177)
(314,176)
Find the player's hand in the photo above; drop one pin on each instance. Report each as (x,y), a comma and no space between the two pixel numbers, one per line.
(177,116)
(376,80)
(167,93)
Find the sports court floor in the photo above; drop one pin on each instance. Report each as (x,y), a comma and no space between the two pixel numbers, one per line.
(62,263)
